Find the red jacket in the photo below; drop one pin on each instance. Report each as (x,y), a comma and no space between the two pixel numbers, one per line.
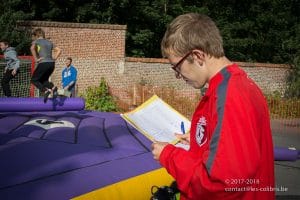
(231,149)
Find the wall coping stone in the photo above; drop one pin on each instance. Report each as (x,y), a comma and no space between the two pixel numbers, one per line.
(242,64)
(71,25)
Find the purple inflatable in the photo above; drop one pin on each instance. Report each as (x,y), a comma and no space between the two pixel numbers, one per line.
(285,154)
(37,104)
(64,154)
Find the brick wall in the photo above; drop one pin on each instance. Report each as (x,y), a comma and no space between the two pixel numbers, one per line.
(98,50)
(270,77)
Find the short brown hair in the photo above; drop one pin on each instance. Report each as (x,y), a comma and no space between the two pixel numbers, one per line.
(38,32)
(192,31)
(5,42)
(69,58)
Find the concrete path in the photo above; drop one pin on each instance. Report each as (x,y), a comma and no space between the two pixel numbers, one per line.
(286,133)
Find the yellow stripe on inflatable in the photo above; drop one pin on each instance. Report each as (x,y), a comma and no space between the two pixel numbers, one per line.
(135,188)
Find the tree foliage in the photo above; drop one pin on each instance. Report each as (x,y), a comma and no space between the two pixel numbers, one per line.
(262,31)
(8,28)
(293,81)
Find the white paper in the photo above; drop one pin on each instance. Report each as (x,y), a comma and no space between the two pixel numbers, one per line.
(159,121)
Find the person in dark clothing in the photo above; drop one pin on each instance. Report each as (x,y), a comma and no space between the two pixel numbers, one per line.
(11,68)
(41,50)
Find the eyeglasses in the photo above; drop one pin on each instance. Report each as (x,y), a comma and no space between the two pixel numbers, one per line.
(176,67)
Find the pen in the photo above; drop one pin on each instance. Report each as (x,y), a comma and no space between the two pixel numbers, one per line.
(182,128)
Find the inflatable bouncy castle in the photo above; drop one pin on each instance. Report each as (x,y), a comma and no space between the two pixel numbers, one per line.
(58,150)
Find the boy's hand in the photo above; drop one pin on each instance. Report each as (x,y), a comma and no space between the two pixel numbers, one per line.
(157,148)
(14,72)
(183,138)
(39,59)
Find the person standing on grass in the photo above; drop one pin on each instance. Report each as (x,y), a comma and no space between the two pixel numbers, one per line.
(41,50)
(231,149)
(11,68)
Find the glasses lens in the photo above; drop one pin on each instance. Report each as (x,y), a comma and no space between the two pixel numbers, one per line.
(177,66)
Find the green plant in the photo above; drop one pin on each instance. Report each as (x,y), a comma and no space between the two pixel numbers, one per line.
(293,80)
(99,98)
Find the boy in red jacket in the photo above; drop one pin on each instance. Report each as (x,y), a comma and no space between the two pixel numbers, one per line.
(231,149)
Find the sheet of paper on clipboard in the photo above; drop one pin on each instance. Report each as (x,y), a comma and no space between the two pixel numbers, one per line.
(157,120)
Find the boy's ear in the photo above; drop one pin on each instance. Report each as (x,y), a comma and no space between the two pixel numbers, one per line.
(198,56)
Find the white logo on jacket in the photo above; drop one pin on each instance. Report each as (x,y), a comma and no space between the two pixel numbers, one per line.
(201,137)
(67,73)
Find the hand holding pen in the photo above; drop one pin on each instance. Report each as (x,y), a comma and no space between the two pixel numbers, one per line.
(183,137)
